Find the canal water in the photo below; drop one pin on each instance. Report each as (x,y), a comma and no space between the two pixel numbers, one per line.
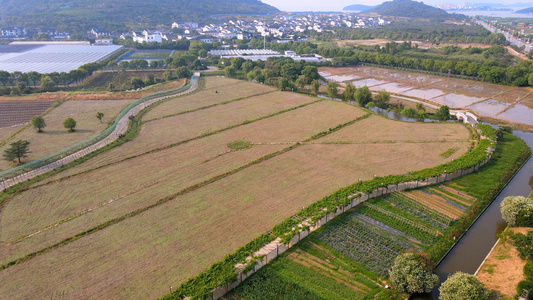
(473,247)
(470,251)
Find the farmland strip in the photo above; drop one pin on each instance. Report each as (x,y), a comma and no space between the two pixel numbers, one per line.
(209,106)
(174,195)
(184,141)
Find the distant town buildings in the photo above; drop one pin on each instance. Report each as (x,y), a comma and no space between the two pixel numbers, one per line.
(281,29)
(13,32)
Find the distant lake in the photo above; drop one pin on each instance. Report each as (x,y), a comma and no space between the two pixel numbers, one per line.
(494,13)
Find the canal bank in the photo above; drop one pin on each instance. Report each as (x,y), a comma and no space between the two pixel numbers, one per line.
(470,251)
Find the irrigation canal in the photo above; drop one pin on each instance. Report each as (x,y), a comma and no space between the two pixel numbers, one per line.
(476,243)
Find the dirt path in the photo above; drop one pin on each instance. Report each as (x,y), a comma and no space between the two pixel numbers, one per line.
(120,129)
(516,53)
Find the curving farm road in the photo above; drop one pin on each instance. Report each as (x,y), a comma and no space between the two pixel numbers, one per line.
(121,128)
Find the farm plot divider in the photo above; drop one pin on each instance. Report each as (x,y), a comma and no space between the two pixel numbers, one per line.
(277,247)
(56,160)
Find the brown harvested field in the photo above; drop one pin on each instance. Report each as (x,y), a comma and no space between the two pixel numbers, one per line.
(212,82)
(378,129)
(154,134)
(89,190)
(231,90)
(368,42)
(7,132)
(254,198)
(513,95)
(61,96)
(55,137)
(503,269)
(228,197)
(19,112)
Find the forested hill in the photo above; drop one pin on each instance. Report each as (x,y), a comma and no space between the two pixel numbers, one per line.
(528,10)
(408,8)
(114,13)
(357,7)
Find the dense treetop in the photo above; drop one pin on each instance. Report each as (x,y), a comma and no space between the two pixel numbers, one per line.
(95,13)
(408,8)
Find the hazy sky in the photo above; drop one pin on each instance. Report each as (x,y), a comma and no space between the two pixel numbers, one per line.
(337,5)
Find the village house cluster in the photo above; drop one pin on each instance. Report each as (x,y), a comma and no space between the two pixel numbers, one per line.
(285,28)
(292,27)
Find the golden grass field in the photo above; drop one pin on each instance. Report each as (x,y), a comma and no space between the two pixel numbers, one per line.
(199,199)
(55,136)
(7,132)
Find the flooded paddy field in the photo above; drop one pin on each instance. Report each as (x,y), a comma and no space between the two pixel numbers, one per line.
(527,101)
(490,108)
(457,100)
(518,112)
(370,82)
(424,93)
(513,104)
(394,87)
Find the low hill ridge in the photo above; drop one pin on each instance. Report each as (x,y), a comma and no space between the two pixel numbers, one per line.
(408,8)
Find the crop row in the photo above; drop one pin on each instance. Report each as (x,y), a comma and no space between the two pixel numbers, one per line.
(295,281)
(408,205)
(413,229)
(364,242)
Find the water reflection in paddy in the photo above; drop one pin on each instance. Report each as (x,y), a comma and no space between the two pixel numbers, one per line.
(457,100)
(341,78)
(368,82)
(424,93)
(490,107)
(393,87)
(518,113)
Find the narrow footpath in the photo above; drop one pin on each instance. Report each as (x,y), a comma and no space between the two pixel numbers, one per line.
(120,129)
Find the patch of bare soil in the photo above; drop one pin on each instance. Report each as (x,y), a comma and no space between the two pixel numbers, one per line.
(503,269)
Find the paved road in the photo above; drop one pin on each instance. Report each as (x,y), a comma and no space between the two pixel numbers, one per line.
(511,39)
(120,128)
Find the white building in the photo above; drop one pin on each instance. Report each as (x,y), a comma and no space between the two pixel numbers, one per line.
(13,31)
(185,25)
(147,36)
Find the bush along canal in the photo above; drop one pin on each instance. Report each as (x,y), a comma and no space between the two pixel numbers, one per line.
(491,182)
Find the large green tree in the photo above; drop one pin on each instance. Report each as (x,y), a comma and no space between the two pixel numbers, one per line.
(315,86)
(443,113)
(17,150)
(38,123)
(382,99)
(463,286)
(362,96)
(332,89)
(411,274)
(47,84)
(310,73)
(69,123)
(230,71)
(349,92)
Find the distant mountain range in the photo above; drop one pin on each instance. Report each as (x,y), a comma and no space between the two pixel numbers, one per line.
(85,14)
(357,7)
(408,8)
(528,10)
